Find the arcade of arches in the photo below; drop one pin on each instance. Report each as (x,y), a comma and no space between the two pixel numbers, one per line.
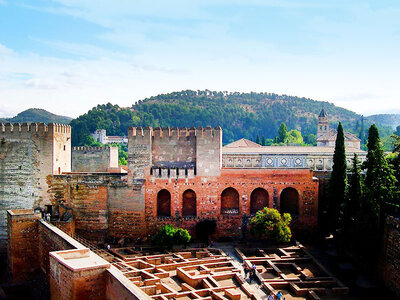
(259,198)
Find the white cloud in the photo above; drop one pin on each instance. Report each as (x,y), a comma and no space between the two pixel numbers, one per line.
(201,54)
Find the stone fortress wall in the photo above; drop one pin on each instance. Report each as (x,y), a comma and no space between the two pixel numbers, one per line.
(29,154)
(94,159)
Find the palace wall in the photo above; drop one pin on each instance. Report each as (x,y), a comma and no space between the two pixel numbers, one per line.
(108,206)
(94,159)
(28,155)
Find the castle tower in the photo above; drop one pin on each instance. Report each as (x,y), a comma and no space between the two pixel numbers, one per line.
(323,124)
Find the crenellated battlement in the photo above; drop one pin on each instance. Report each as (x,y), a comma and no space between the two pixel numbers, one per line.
(89,149)
(33,128)
(174,132)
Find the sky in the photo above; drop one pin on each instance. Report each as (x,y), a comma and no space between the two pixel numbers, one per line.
(67,56)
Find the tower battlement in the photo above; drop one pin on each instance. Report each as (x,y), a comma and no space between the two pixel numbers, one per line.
(88,149)
(34,128)
(174,132)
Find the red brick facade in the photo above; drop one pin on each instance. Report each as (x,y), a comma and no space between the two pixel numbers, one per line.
(209,190)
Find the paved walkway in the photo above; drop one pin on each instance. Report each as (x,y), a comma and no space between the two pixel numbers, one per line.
(237,262)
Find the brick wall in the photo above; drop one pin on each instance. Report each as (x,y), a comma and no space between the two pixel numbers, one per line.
(208,193)
(110,205)
(22,248)
(389,266)
(66,283)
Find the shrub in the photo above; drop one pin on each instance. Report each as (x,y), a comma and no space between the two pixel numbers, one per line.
(270,224)
(204,229)
(168,236)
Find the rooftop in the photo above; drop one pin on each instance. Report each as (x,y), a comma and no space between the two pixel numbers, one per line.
(80,259)
(285,150)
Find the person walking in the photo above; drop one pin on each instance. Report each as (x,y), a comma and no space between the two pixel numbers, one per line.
(246,270)
(271,297)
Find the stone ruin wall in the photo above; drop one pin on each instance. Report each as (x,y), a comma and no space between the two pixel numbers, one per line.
(28,155)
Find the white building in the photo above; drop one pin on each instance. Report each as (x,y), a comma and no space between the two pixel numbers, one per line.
(100,135)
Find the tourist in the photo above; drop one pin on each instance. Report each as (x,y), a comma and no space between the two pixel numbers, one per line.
(246,270)
(271,297)
(252,275)
(279,295)
(108,247)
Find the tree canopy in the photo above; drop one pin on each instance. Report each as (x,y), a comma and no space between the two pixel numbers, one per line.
(269,223)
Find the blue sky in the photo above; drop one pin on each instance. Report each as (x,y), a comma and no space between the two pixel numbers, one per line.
(68,55)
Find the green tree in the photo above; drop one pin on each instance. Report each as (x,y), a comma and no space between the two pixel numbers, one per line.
(294,137)
(380,185)
(182,237)
(263,142)
(270,224)
(282,133)
(89,141)
(337,182)
(397,132)
(258,139)
(168,236)
(353,200)
(310,139)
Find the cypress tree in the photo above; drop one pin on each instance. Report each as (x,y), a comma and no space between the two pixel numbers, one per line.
(258,139)
(353,199)
(282,133)
(338,181)
(263,140)
(380,185)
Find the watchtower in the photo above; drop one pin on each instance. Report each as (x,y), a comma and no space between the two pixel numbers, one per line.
(323,124)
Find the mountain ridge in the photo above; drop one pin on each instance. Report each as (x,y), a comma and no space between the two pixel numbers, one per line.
(38,115)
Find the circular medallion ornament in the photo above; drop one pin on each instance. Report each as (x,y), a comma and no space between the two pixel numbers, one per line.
(283,161)
(297,161)
(269,161)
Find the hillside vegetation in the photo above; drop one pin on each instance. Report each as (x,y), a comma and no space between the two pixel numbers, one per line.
(390,120)
(32,115)
(239,114)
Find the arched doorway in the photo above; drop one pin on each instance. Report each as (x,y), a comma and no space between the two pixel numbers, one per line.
(258,200)
(230,202)
(289,201)
(163,203)
(189,203)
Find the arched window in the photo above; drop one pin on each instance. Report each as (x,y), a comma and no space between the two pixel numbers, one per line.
(230,202)
(289,202)
(189,203)
(163,203)
(258,200)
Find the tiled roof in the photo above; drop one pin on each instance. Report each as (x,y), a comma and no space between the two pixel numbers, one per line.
(243,143)
(322,114)
(331,136)
(285,150)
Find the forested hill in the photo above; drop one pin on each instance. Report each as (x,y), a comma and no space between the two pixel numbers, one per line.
(38,115)
(391,120)
(239,114)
